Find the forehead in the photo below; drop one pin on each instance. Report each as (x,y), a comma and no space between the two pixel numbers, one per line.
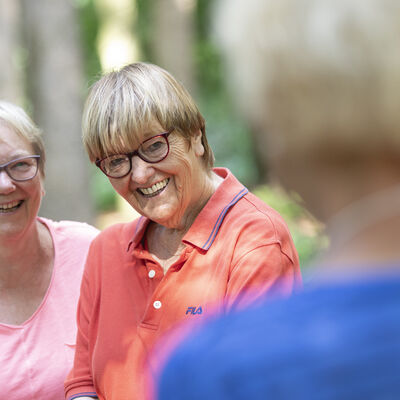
(154,128)
(12,145)
(127,141)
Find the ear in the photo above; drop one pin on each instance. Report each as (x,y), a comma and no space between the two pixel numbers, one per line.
(196,143)
(43,190)
(41,180)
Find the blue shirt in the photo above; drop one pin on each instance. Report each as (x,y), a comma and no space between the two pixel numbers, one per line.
(339,342)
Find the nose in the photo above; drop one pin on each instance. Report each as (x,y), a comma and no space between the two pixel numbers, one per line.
(141,171)
(7,185)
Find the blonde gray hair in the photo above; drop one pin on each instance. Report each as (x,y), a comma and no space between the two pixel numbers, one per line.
(16,119)
(123,104)
(318,75)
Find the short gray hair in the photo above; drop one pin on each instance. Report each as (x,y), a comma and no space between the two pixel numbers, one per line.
(16,119)
(122,104)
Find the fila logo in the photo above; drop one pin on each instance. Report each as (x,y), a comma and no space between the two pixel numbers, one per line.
(194,310)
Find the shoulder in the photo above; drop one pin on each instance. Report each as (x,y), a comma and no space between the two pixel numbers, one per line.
(118,231)
(251,214)
(246,209)
(108,249)
(266,214)
(71,229)
(242,208)
(115,238)
(257,224)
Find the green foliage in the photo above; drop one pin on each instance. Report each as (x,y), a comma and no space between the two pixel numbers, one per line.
(103,193)
(306,231)
(144,29)
(89,27)
(228,134)
(228,137)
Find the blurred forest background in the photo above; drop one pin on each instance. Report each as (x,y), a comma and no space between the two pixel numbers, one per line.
(53,50)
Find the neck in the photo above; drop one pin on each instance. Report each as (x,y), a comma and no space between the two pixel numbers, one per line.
(20,255)
(208,190)
(204,192)
(166,242)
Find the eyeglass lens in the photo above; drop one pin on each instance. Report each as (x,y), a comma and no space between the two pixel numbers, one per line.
(22,169)
(152,150)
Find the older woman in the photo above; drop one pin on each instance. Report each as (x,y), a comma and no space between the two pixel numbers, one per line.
(203,243)
(41,264)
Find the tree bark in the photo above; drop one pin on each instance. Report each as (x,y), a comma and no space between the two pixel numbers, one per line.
(55,81)
(173,39)
(10,48)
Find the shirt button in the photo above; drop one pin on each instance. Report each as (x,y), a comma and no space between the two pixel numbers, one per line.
(157,304)
(152,273)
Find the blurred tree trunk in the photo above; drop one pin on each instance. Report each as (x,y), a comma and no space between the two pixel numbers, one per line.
(10,77)
(173,39)
(55,82)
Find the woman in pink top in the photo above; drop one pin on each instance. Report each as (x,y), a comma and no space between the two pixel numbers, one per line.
(41,263)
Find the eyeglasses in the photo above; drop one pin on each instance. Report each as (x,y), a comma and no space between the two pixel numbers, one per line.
(22,169)
(152,150)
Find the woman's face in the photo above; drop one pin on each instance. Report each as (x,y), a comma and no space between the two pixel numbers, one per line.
(19,201)
(172,191)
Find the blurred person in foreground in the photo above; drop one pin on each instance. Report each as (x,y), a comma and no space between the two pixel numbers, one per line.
(204,244)
(41,265)
(320,81)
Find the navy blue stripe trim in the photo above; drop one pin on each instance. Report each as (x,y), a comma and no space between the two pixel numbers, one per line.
(214,232)
(88,394)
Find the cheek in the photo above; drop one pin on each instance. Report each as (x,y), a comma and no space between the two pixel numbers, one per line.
(115,186)
(37,187)
(121,186)
(42,189)
(35,191)
(183,171)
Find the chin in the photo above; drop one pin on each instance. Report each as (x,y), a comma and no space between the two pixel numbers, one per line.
(8,232)
(167,221)
(162,221)
(163,215)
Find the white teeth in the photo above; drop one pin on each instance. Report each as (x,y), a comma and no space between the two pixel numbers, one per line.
(156,187)
(9,205)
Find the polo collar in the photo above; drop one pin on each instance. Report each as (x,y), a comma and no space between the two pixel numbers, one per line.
(140,229)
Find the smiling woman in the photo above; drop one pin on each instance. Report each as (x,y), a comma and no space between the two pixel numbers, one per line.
(204,244)
(41,264)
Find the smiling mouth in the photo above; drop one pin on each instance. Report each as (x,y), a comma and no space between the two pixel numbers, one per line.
(154,190)
(10,207)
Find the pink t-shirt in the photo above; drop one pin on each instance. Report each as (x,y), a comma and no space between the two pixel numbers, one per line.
(35,357)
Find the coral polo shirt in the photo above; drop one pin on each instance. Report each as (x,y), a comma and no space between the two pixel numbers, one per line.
(237,250)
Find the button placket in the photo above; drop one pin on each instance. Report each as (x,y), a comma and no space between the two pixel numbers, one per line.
(156,307)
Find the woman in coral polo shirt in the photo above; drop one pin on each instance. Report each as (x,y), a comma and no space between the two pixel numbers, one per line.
(203,244)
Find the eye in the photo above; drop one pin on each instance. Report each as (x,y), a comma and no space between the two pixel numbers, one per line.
(22,165)
(153,146)
(116,162)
